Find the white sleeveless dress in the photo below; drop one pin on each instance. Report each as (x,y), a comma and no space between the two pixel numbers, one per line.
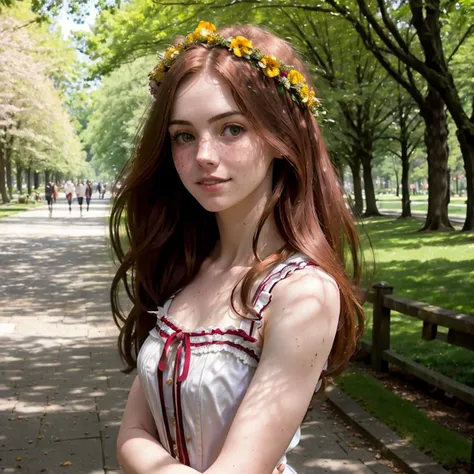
(194,381)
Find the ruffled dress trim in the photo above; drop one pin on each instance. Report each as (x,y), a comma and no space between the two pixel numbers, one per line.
(213,339)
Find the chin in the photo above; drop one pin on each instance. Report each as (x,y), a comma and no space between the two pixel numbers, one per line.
(215,205)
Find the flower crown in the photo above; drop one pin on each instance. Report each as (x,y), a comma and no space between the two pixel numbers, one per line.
(288,77)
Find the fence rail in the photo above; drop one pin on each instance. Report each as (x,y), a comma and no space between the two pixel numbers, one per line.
(460,333)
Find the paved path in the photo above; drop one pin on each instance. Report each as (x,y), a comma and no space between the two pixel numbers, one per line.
(61,392)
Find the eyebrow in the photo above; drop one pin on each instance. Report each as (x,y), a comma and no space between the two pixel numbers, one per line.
(211,120)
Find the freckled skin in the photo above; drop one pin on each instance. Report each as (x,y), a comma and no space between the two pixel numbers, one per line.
(227,148)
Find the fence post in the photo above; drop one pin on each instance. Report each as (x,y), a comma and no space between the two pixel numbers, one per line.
(471,467)
(380,326)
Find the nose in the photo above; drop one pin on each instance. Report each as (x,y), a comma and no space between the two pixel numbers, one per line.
(206,154)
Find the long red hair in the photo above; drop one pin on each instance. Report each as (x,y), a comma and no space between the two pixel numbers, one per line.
(168,234)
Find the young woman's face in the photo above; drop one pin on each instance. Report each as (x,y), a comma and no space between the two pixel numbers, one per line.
(217,153)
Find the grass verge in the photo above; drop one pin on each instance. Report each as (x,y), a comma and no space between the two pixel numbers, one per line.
(445,446)
(15,208)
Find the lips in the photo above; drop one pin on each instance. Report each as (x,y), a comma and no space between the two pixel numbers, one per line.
(210,181)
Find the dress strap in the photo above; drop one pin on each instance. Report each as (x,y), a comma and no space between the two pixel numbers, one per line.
(263,295)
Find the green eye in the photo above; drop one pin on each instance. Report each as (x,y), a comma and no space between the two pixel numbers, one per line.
(235,130)
(182,137)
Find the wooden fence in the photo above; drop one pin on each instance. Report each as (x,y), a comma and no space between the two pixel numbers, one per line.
(460,333)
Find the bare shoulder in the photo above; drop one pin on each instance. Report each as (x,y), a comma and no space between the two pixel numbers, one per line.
(310,287)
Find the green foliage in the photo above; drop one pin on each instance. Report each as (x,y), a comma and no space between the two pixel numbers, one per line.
(116,109)
(36,130)
(140,28)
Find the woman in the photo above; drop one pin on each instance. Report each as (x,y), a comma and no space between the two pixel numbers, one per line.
(68,190)
(236,223)
(88,194)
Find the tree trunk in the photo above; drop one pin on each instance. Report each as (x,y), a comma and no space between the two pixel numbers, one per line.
(397,183)
(3,189)
(46,176)
(406,204)
(436,135)
(29,180)
(370,201)
(358,201)
(9,175)
(37,180)
(19,178)
(466,141)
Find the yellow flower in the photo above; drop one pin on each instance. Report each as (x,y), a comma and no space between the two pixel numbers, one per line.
(295,77)
(158,73)
(205,31)
(190,38)
(272,66)
(313,101)
(304,93)
(308,96)
(205,25)
(171,53)
(241,45)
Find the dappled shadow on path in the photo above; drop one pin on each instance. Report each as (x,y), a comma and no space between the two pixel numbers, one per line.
(61,391)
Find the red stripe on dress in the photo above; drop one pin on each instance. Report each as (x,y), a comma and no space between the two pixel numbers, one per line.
(208,343)
(233,332)
(251,328)
(163,411)
(228,343)
(180,440)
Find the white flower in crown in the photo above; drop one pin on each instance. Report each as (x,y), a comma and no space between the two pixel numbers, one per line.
(286,83)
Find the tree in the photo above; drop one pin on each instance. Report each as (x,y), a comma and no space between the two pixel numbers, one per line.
(116,109)
(405,132)
(382,32)
(35,129)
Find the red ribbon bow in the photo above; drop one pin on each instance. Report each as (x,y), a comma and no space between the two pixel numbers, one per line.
(183,342)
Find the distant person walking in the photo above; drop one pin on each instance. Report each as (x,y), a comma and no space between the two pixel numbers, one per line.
(88,194)
(69,189)
(49,195)
(80,192)
(55,192)
(104,187)
(101,188)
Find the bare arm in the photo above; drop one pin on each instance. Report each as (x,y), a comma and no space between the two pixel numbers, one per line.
(301,325)
(138,450)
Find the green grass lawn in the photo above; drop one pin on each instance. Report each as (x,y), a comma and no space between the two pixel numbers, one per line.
(421,206)
(445,446)
(14,208)
(435,268)
(419,197)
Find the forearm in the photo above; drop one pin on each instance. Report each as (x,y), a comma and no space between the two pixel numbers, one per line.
(139,452)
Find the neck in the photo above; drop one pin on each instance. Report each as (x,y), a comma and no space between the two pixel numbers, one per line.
(237,227)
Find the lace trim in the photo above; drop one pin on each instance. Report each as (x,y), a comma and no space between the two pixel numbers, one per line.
(280,273)
(214,348)
(195,334)
(239,354)
(212,338)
